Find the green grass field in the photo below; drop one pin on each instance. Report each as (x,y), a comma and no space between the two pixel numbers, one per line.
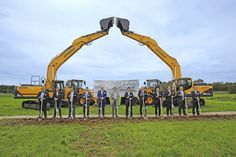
(220,102)
(126,138)
(170,137)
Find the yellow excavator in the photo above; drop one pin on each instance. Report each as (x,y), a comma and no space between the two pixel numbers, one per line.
(178,80)
(31,91)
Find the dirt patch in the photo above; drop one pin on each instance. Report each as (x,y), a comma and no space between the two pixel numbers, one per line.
(97,121)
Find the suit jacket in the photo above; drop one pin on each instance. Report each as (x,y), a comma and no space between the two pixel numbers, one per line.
(75,97)
(102,94)
(88,97)
(131,95)
(117,95)
(45,96)
(59,96)
(180,97)
(155,94)
(155,98)
(194,94)
(140,95)
(168,95)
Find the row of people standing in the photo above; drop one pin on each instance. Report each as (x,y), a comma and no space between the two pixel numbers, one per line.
(158,98)
(87,97)
(167,96)
(72,96)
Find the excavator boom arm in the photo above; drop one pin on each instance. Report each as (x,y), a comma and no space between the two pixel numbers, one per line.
(123,25)
(77,44)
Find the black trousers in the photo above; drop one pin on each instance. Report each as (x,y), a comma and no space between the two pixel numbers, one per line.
(195,107)
(129,107)
(84,110)
(103,110)
(57,107)
(157,104)
(44,109)
(141,104)
(73,110)
(181,106)
(168,108)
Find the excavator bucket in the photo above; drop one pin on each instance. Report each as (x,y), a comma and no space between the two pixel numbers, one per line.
(106,23)
(122,24)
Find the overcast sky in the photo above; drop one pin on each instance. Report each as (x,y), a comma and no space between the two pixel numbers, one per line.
(200,34)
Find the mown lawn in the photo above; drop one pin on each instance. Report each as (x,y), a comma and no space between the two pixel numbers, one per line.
(203,137)
(220,102)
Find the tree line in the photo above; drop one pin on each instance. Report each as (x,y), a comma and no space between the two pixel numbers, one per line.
(7,89)
(217,86)
(225,86)
(220,86)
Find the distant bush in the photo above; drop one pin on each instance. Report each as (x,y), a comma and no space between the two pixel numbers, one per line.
(6,89)
(224,86)
(232,89)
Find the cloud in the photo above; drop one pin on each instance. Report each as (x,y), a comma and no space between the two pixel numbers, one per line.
(199,34)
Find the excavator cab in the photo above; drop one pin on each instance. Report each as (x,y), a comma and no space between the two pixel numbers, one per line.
(58,84)
(75,83)
(186,83)
(78,85)
(153,83)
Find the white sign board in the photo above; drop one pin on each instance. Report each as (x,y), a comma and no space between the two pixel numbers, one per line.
(121,86)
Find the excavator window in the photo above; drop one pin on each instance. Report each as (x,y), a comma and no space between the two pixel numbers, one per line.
(59,84)
(68,84)
(185,83)
(75,83)
(78,84)
(36,80)
(153,83)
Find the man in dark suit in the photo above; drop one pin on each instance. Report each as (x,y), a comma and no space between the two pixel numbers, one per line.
(87,100)
(43,97)
(142,94)
(72,102)
(102,94)
(57,96)
(181,101)
(128,102)
(195,101)
(168,96)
